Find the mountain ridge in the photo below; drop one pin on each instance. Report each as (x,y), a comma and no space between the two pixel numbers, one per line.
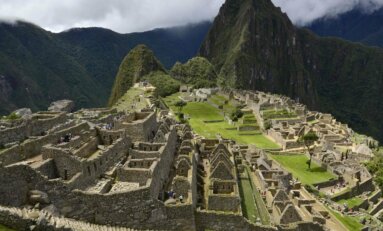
(38,66)
(355,25)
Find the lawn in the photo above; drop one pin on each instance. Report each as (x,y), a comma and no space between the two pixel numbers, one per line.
(249,207)
(198,112)
(351,223)
(261,207)
(352,202)
(278,114)
(130,98)
(296,164)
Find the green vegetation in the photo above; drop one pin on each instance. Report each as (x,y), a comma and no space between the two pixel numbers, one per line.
(12,116)
(342,80)
(375,166)
(351,223)
(131,97)
(199,113)
(308,140)
(197,71)
(352,202)
(278,114)
(4,228)
(180,105)
(139,62)
(248,203)
(237,114)
(296,164)
(165,85)
(261,207)
(79,64)
(228,106)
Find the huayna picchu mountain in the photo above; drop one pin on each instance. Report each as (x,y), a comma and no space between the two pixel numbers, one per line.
(253,45)
(38,67)
(139,62)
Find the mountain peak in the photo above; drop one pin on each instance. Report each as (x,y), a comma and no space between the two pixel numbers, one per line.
(140,61)
(254,46)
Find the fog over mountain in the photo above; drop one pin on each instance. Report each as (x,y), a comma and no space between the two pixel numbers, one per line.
(123,16)
(127,16)
(303,12)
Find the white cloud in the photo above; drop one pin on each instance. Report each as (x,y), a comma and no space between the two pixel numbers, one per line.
(120,15)
(303,12)
(140,15)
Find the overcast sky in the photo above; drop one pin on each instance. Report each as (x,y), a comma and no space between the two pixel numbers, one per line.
(140,15)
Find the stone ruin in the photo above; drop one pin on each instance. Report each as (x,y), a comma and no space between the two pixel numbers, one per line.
(85,165)
(287,201)
(101,169)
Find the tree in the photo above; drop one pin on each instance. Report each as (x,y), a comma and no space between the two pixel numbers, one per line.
(308,140)
(180,104)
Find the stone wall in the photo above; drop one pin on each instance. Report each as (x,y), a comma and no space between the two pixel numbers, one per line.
(140,126)
(136,175)
(224,203)
(32,147)
(226,221)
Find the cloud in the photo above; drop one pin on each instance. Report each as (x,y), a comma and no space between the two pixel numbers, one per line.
(126,16)
(120,15)
(303,12)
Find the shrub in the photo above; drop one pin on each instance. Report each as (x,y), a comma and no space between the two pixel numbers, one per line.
(237,114)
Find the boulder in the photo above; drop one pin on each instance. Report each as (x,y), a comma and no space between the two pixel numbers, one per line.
(62,106)
(24,113)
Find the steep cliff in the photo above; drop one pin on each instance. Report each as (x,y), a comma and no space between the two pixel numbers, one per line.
(253,45)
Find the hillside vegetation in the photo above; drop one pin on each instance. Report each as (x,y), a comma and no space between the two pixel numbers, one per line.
(139,62)
(38,67)
(198,72)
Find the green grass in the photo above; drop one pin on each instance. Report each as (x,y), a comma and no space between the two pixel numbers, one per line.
(3,228)
(352,202)
(127,100)
(278,114)
(261,207)
(296,164)
(351,223)
(200,112)
(249,207)
(218,99)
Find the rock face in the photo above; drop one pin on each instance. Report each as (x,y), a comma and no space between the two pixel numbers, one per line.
(253,45)
(23,112)
(139,62)
(62,106)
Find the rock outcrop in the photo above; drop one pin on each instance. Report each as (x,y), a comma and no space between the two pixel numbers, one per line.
(62,106)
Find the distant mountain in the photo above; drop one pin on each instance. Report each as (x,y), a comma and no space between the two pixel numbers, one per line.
(356,25)
(37,66)
(253,45)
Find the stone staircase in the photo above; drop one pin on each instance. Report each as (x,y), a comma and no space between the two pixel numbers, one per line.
(45,219)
